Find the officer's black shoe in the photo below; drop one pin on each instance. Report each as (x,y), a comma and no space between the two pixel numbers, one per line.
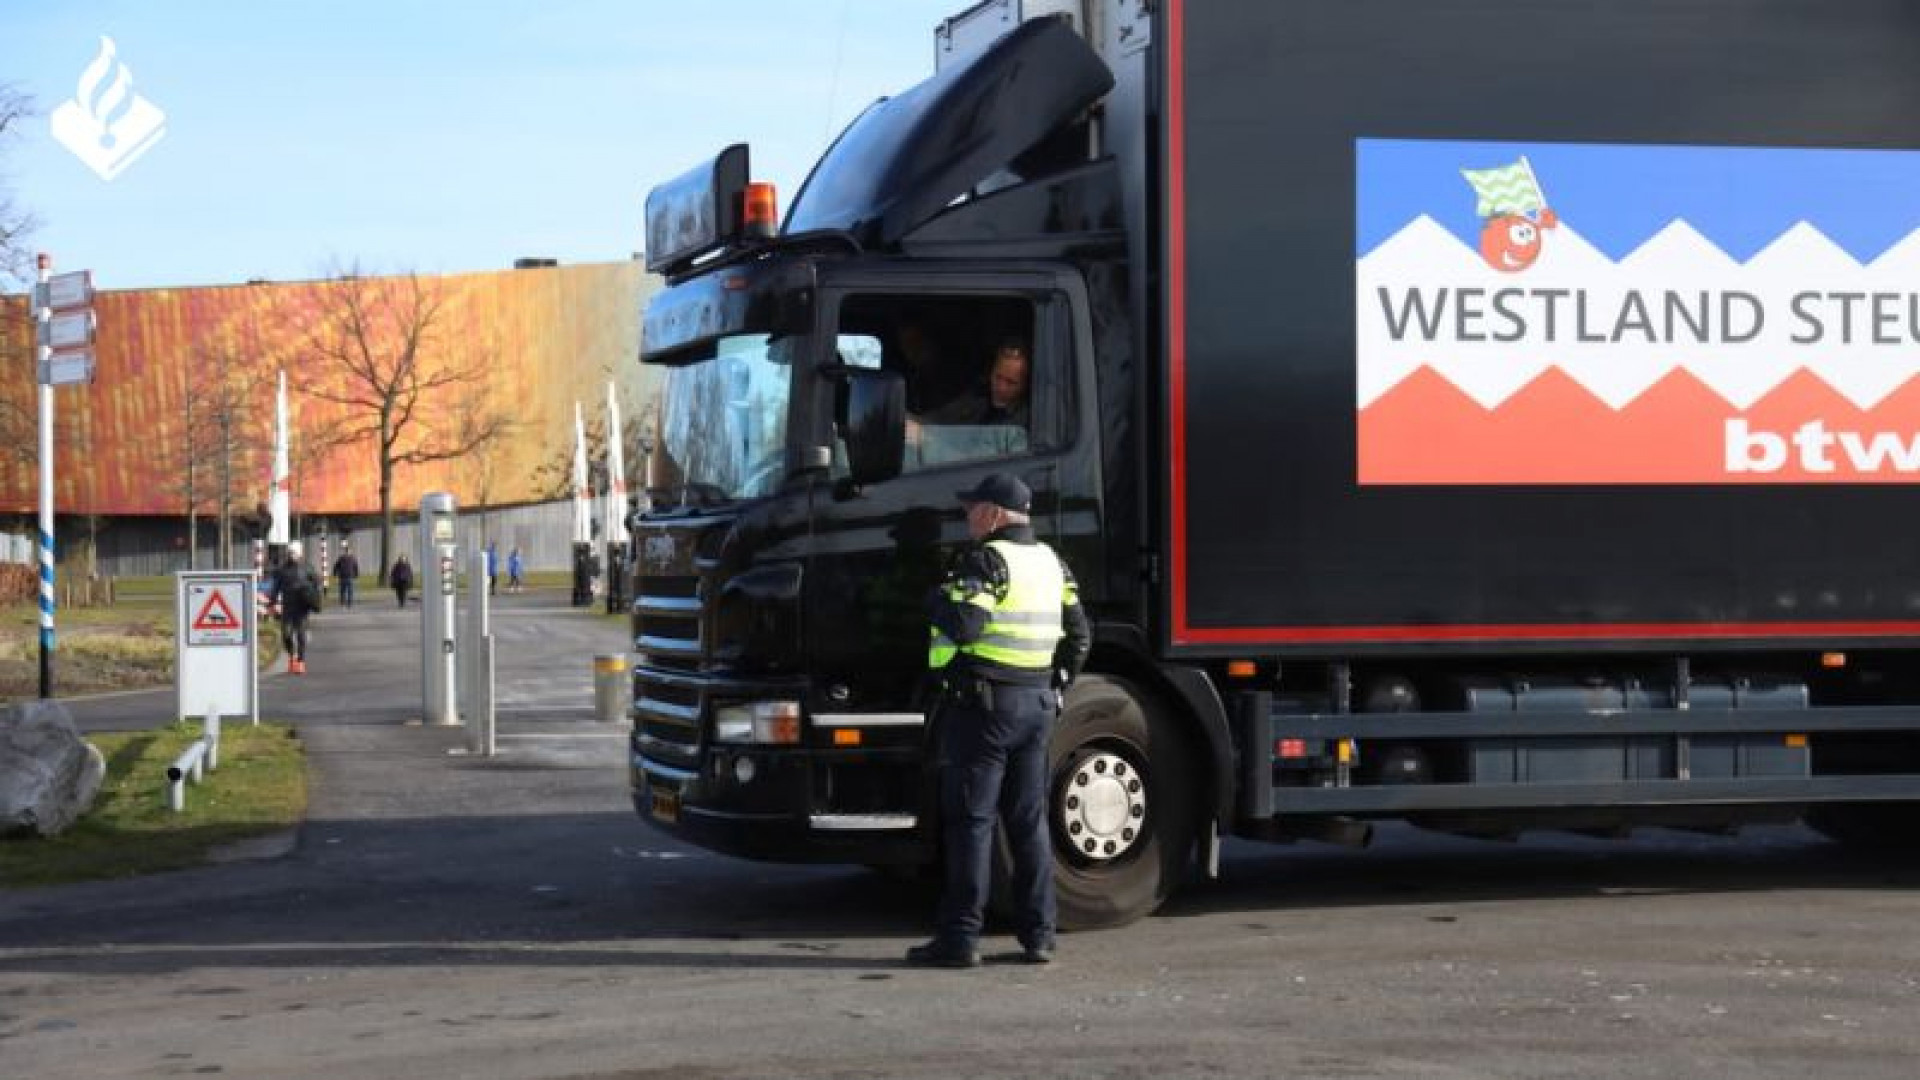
(1038,952)
(944,954)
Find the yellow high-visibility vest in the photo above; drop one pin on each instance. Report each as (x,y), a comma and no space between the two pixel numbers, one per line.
(1024,627)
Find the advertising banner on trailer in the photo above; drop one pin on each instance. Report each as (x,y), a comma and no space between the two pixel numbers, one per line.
(1601,328)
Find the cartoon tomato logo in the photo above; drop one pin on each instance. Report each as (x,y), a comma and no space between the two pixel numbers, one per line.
(1511,242)
(1514,214)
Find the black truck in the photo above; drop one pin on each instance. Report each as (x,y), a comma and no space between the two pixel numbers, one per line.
(1488,414)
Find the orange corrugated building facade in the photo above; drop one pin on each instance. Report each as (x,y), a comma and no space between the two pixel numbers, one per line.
(546,338)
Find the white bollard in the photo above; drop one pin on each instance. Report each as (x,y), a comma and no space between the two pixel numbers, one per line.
(186,766)
(212,735)
(477,694)
(198,759)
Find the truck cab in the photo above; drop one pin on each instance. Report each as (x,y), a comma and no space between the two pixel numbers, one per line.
(829,388)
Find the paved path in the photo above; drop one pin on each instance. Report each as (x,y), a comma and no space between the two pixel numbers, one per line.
(364,667)
(447,916)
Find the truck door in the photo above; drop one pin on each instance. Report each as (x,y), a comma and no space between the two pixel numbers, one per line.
(992,384)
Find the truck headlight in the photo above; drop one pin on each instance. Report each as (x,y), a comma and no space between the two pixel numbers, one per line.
(770,722)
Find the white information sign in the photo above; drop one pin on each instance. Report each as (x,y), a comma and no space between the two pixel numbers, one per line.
(217,626)
(73,289)
(68,329)
(65,367)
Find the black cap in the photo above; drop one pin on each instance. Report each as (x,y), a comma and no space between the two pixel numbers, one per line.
(1003,491)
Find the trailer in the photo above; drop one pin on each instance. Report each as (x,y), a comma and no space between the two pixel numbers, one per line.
(1490,415)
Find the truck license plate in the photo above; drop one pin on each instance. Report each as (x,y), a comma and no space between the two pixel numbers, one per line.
(666,804)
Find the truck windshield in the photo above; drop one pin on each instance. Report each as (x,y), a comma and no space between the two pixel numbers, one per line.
(723,421)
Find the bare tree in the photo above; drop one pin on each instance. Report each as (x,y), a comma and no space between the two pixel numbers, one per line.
(553,475)
(381,348)
(17,417)
(16,261)
(225,434)
(486,473)
(312,446)
(183,455)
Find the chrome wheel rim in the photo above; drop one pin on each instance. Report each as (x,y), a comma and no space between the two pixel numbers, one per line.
(1102,807)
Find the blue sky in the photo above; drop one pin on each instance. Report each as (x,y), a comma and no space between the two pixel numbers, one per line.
(1617,197)
(408,135)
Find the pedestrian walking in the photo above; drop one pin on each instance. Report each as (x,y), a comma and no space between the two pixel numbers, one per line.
(515,567)
(401,578)
(294,592)
(493,570)
(346,569)
(1008,637)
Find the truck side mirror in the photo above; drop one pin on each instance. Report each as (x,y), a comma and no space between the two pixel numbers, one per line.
(875,424)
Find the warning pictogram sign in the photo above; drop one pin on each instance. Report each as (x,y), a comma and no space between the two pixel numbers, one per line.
(216,619)
(215,626)
(214,615)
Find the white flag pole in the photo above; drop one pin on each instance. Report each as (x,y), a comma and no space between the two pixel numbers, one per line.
(616,474)
(279,510)
(582,505)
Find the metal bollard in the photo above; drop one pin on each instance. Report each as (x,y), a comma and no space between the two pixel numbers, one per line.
(612,687)
(481,721)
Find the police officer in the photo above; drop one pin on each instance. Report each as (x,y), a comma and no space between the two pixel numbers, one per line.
(1008,636)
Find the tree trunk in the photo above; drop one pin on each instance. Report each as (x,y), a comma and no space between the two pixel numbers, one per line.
(226,494)
(386,512)
(193,520)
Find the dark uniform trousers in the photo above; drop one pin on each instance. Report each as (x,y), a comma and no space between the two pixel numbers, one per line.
(994,758)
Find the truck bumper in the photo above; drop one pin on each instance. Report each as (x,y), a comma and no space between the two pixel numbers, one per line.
(801,805)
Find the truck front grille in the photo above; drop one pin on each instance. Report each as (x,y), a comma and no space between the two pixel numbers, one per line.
(667,622)
(667,695)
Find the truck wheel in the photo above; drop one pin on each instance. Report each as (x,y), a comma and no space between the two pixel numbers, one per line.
(1122,805)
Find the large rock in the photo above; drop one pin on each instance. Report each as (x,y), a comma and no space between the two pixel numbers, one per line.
(48,773)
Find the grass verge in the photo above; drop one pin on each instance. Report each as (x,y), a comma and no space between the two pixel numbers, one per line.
(260,788)
(127,646)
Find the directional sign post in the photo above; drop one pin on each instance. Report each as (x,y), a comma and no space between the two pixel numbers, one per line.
(217,626)
(66,367)
(70,290)
(67,328)
(63,321)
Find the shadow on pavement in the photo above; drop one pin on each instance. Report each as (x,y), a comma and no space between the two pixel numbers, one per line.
(602,889)
(465,889)
(138,961)
(1409,867)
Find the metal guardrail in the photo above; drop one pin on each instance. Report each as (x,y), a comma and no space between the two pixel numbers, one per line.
(198,759)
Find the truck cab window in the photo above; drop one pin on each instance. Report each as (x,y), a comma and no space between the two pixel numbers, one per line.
(975,380)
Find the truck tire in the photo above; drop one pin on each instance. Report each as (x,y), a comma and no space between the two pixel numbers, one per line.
(1122,805)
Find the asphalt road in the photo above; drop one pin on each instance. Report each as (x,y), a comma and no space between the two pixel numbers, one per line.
(446,916)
